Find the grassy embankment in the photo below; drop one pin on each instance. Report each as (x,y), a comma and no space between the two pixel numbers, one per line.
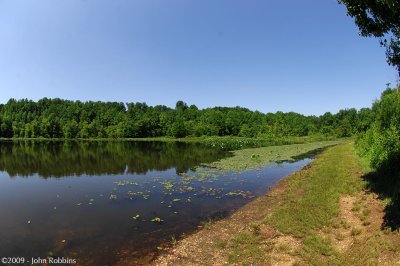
(321,215)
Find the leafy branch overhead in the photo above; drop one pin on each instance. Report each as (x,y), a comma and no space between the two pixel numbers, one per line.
(378,18)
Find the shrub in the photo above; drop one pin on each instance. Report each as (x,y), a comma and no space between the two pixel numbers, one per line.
(381,143)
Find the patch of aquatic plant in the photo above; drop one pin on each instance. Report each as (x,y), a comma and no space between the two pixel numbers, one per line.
(144,194)
(232,143)
(184,189)
(210,191)
(167,185)
(202,175)
(248,159)
(244,194)
(125,183)
(237,143)
(157,220)
(112,197)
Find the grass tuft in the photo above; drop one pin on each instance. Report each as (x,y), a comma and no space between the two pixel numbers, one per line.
(356,231)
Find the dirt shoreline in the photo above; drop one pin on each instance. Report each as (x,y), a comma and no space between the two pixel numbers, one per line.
(203,241)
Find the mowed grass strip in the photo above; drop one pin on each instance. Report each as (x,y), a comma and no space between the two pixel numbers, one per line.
(311,201)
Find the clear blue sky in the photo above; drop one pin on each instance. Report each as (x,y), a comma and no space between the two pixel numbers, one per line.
(304,56)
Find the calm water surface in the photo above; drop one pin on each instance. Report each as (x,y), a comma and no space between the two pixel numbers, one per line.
(95,201)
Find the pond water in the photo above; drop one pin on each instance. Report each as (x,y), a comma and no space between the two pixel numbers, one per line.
(104,203)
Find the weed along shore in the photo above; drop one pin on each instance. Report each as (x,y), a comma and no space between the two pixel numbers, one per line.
(321,215)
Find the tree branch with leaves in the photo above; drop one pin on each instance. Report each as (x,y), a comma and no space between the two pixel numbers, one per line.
(379,18)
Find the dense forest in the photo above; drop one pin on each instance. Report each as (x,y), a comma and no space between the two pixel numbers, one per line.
(57,118)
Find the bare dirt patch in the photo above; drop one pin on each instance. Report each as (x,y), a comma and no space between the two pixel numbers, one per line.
(285,248)
(359,216)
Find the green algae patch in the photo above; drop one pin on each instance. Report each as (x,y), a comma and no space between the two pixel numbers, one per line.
(249,159)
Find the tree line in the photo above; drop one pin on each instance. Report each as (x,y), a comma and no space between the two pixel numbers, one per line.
(57,118)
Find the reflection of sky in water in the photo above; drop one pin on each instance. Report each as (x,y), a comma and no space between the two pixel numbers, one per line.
(96,226)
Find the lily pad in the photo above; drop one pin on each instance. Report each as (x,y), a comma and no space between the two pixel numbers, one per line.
(157,220)
(113,197)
